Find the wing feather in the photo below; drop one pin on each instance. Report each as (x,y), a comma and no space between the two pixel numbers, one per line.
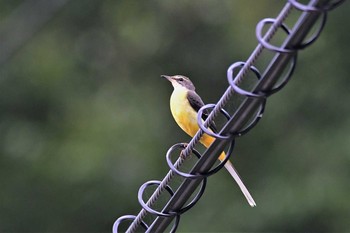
(196,103)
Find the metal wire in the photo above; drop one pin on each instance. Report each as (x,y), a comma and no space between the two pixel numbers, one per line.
(239,123)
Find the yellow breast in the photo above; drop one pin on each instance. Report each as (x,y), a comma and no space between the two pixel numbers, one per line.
(184,115)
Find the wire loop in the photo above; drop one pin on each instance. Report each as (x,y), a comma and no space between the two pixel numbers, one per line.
(276,49)
(233,84)
(315,36)
(284,79)
(201,175)
(324,9)
(255,121)
(208,131)
(306,8)
(223,162)
(196,176)
(217,136)
(263,42)
(155,212)
(149,209)
(174,169)
(124,218)
(261,95)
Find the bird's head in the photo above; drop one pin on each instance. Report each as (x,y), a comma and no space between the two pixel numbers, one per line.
(180,81)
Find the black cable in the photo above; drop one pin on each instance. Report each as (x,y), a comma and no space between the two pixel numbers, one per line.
(238,124)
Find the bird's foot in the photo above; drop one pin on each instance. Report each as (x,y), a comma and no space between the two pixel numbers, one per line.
(184,145)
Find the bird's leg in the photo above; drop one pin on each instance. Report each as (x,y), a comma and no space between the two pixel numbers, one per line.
(184,145)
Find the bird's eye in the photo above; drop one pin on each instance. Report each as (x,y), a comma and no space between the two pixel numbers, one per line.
(181,79)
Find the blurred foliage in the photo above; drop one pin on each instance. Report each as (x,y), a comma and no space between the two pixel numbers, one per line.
(85,118)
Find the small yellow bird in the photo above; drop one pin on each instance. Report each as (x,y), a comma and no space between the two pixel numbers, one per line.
(184,105)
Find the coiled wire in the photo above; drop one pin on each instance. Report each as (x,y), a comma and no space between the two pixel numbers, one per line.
(175,207)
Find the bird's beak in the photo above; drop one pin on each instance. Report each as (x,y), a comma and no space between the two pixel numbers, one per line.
(167,77)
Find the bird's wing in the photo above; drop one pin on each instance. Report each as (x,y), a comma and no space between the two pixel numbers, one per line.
(196,102)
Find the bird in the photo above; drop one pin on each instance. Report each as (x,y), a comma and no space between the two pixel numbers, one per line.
(184,106)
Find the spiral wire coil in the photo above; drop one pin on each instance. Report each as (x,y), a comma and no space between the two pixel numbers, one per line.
(244,119)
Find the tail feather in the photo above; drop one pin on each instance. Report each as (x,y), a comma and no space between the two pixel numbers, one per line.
(238,180)
(207,141)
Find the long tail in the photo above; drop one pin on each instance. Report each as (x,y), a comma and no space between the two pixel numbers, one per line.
(206,141)
(229,167)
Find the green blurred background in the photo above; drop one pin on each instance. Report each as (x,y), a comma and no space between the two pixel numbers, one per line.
(85,116)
